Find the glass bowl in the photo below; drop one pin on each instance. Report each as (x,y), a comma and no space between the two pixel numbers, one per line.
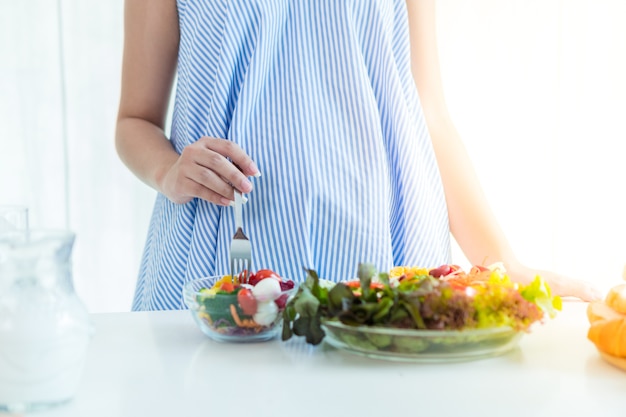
(221,317)
(421,345)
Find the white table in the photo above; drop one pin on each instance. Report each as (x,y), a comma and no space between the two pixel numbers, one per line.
(160,364)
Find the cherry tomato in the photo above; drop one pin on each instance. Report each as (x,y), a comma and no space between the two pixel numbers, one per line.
(266,273)
(247,302)
(262,274)
(442,271)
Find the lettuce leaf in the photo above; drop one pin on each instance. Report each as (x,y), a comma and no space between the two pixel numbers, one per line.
(538,292)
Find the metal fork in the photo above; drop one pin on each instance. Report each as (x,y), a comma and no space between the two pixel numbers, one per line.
(240,248)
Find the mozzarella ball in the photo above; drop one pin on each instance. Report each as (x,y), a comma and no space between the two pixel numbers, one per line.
(266,313)
(266,290)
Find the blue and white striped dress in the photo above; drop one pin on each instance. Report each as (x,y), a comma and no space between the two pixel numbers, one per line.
(320,94)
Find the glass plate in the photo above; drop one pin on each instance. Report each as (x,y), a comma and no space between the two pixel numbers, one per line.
(421,345)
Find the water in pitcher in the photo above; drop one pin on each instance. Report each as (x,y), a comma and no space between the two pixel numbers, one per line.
(44,327)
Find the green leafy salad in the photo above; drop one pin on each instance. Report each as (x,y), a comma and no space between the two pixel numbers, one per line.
(444,298)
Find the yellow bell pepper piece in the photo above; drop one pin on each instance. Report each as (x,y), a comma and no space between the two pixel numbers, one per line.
(225,279)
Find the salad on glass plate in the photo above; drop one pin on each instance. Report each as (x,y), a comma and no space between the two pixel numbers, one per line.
(419,314)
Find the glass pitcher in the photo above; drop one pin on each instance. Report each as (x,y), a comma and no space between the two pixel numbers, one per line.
(44,327)
(13,217)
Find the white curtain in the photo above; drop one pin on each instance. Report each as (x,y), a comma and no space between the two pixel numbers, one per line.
(536,88)
(59,90)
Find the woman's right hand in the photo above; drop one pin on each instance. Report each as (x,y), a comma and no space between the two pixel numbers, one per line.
(207,169)
(203,170)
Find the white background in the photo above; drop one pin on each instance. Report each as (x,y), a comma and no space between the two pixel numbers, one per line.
(537,89)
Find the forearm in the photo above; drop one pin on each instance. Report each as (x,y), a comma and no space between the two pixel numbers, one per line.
(145,150)
(472,222)
(151,38)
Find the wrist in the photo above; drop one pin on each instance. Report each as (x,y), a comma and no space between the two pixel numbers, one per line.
(519,272)
(161,174)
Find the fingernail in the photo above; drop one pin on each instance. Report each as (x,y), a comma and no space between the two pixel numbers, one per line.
(254,169)
(246,186)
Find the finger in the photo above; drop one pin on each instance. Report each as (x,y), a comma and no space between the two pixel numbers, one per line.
(590,293)
(209,179)
(218,165)
(231,196)
(237,155)
(211,196)
(200,191)
(585,291)
(595,294)
(192,189)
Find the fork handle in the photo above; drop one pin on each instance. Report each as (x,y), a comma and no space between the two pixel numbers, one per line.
(238,213)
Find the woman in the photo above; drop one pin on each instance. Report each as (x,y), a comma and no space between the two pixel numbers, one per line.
(321,96)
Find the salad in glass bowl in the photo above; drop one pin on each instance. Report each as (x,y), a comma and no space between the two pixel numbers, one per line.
(419,314)
(231,309)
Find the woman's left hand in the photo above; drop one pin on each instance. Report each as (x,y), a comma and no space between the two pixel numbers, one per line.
(560,285)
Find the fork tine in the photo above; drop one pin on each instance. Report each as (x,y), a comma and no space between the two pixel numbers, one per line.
(242,265)
(240,248)
(246,270)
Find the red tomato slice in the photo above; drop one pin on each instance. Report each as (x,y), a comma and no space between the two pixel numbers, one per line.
(247,302)
(262,274)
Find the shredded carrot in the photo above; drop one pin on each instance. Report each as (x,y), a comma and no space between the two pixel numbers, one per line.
(242,323)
